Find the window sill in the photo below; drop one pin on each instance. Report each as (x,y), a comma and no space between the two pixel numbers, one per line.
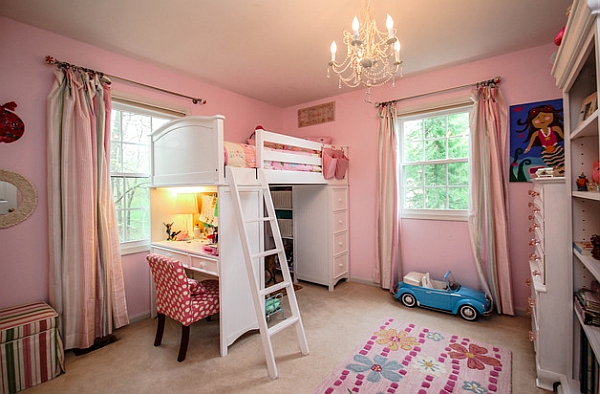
(134,247)
(454,216)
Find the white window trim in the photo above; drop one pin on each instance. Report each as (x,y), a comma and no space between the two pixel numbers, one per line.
(455,215)
(143,104)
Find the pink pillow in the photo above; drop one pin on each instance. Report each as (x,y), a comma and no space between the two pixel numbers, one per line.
(196,288)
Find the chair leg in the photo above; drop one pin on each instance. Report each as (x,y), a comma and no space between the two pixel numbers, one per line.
(160,328)
(185,339)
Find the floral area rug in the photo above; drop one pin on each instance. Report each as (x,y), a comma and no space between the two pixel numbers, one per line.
(406,358)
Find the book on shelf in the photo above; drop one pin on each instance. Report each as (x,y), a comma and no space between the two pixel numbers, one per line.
(588,318)
(583,247)
(589,300)
(588,367)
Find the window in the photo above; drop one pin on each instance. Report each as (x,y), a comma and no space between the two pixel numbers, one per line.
(131,126)
(434,164)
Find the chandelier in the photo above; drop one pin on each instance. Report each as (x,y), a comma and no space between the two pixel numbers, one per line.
(373,57)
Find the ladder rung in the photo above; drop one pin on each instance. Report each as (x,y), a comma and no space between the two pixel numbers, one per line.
(263,219)
(275,287)
(251,187)
(290,321)
(269,252)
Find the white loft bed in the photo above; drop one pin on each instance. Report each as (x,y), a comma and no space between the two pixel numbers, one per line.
(190,151)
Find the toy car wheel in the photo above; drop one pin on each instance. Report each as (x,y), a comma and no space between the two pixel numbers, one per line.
(408,300)
(467,312)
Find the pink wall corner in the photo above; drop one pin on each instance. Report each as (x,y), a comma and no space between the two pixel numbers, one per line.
(526,77)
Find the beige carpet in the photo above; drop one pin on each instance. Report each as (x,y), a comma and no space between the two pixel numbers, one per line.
(335,323)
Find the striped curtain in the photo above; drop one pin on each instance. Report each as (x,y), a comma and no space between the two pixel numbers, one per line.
(387,268)
(488,215)
(86,279)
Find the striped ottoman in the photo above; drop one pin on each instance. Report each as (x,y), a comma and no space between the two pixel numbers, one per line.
(31,349)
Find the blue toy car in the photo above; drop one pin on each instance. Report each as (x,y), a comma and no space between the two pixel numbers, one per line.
(446,295)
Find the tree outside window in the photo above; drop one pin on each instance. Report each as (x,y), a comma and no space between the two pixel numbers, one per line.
(434,155)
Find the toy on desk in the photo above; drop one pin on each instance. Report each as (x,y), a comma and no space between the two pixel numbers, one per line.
(171,235)
(447,295)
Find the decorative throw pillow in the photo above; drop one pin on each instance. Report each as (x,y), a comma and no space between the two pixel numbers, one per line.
(196,288)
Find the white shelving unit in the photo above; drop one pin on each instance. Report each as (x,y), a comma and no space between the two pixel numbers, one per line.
(549,303)
(576,70)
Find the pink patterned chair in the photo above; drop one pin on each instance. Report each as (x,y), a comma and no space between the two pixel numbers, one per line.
(182,299)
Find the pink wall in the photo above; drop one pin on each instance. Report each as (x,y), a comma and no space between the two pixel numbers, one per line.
(431,245)
(26,79)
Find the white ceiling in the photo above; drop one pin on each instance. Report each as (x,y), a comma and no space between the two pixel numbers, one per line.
(277,50)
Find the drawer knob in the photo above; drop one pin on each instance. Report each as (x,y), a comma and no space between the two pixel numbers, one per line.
(531,302)
(533,193)
(532,336)
(534,227)
(534,257)
(536,273)
(528,282)
(534,242)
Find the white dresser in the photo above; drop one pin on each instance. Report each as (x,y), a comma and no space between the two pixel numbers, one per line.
(321,224)
(549,304)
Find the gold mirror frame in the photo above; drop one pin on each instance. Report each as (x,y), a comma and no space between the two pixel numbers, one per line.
(28,199)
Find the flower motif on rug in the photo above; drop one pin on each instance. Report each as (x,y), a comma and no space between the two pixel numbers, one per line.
(428,366)
(379,367)
(394,339)
(475,356)
(475,387)
(435,336)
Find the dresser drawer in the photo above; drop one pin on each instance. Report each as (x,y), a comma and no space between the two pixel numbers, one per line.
(340,198)
(340,221)
(204,264)
(183,257)
(340,265)
(340,243)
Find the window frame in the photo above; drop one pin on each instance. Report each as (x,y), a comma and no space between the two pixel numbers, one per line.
(124,102)
(425,213)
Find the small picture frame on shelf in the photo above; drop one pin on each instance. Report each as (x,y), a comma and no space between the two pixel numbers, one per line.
(589,105)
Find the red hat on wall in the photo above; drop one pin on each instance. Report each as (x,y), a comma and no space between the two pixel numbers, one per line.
(11,126)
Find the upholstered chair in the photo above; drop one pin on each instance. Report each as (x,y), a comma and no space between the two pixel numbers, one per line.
(182,299)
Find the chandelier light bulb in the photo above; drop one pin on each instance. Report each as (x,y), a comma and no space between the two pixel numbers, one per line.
(355,26)
(389,23)
(333,50)
(397,52)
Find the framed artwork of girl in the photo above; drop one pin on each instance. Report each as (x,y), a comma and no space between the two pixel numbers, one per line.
(537,139)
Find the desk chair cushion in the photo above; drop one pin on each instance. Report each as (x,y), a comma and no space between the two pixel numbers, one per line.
(175,298)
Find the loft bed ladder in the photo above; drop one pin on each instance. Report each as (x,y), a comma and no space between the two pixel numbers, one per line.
(259,293)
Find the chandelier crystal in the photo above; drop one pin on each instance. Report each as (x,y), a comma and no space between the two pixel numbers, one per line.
(373,56)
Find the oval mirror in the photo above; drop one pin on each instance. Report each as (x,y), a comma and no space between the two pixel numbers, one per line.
(18,198)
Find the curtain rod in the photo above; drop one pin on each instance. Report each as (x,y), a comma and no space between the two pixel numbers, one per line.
(52,61)
(493,81)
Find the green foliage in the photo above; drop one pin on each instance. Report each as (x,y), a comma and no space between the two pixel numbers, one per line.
(435,156)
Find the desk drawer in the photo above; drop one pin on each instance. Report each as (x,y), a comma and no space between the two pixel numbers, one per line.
(183,257)
(204,264)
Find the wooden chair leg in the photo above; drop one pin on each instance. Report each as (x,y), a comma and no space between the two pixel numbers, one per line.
(160,328)
(185,339)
